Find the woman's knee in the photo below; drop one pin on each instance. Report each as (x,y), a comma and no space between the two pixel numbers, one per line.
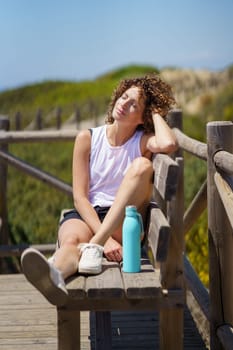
(140,167)
(73,232)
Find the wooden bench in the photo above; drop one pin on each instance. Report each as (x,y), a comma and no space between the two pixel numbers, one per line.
(116,290)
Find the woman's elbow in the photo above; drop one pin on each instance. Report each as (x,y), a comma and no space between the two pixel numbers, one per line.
(164,145)
(172,146)
(76,199)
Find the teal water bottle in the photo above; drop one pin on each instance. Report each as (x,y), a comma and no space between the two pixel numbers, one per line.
(131,239)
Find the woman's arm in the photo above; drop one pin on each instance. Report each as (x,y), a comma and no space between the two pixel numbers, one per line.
(81,156)
(164,140)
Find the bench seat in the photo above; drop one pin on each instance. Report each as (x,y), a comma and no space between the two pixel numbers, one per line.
(111,290)
(114,289)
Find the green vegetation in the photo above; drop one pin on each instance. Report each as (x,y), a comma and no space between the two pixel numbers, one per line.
(88,96)
(221,108)
(34,208)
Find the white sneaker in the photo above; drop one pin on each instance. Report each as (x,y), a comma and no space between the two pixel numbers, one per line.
(91,258)
(44,276)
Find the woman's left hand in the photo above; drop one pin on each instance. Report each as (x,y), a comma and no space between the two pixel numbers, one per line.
(113,250)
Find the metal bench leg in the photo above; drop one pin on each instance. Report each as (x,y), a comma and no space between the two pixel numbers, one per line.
(103,330)
(68,326)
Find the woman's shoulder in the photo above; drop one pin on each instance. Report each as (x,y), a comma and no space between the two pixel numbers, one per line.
(83,140)
(88,136)
(83,135)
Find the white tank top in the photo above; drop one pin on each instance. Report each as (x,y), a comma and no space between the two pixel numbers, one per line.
(108,165)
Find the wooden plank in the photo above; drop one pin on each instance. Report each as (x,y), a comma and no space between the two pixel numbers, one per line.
(22,298)
(159,233)
(219,135)
(197,148)
(166,172)
(197,288)
(76,286)
(199,318)
(171,320)
(16,250)
(37,136)
(225,334)
(36,173)
(4,226)
(144,284)
(196,208)
(32,316)
(225,191)
(224,160)
(69,328)
(107,284)
(28,320)
(15,282)
(164,299)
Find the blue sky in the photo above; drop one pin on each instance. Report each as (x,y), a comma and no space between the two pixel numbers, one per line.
(82,39)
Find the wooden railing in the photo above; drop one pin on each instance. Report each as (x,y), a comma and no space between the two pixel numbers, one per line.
(215,193)
(42,120)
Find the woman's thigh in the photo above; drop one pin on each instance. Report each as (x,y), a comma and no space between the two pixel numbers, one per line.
(74,231)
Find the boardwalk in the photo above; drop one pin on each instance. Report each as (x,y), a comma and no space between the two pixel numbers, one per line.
(28,321)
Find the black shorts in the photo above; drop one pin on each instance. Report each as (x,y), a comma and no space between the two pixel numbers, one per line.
(74,214)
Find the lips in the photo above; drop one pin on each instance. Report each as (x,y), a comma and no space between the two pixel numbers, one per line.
(120,111)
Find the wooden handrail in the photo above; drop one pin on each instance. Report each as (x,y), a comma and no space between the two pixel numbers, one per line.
(197,288)
(225,190)
(36,173)
(196,208)
(16,250)
(224,160)
(37,136)
(188,144)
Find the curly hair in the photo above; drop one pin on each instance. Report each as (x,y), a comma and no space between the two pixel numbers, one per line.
(157,94)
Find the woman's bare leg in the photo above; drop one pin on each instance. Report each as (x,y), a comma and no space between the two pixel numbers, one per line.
(48,276)
(135,189)
(70,234)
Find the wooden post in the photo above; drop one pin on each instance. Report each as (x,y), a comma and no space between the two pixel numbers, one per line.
(68,324)
(39,119)
(93,112)
(4,231)
(77,117)
(220,233)
(18,118)
(58,118)
(172,271)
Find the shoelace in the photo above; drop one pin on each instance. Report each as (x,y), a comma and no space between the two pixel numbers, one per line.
(92,250)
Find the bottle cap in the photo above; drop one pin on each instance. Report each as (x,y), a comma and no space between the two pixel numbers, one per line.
(130,209)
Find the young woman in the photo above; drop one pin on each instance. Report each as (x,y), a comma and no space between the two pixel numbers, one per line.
(111,169)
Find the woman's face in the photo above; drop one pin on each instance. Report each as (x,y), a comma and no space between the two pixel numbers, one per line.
(129,107)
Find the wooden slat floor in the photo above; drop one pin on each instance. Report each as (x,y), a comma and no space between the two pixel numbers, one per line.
(28,321)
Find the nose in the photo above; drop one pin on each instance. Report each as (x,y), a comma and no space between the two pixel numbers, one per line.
(125,104)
